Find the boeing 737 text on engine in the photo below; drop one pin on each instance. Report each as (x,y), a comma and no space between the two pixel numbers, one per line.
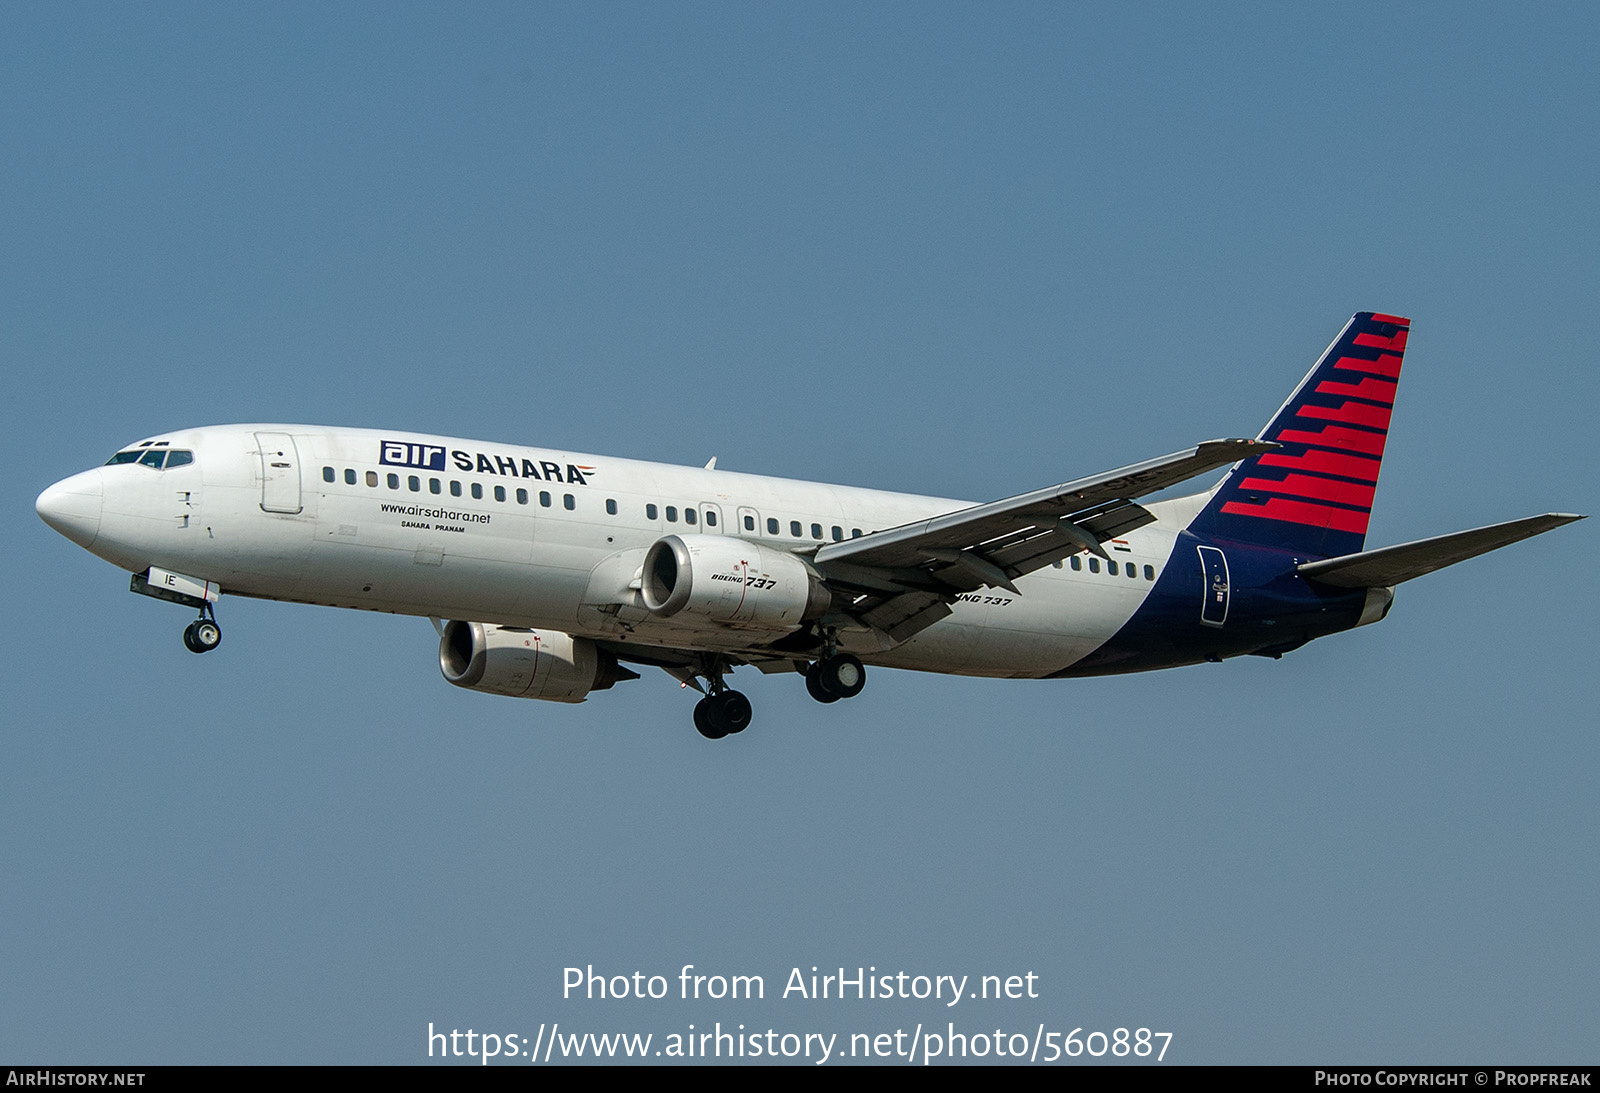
(558,570)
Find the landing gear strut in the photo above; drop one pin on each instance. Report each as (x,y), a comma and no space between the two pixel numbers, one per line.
(835,677)
(203,634)
(724,711)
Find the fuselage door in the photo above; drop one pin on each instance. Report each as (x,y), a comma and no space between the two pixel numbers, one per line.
(280,473)
(710,518)
(1214,569)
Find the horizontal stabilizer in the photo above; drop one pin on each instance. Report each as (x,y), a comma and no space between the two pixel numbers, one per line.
(1390,565)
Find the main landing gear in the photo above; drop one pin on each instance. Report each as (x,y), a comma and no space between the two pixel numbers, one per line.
(203,634)
(836,677)
(724,711)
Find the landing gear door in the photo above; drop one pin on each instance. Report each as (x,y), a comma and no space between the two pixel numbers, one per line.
(1214,570)
(280,473)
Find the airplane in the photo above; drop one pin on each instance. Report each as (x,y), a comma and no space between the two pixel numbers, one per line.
(547,573)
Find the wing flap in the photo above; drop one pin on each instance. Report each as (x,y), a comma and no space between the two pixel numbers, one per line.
(1039,546)
(902,617)
(1388,566)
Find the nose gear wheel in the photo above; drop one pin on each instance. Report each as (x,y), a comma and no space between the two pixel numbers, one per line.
(203,634)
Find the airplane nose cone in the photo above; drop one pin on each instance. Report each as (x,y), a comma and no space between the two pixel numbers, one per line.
(72,507)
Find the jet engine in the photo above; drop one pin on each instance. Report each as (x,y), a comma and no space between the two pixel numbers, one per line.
(526,663)
(730,581)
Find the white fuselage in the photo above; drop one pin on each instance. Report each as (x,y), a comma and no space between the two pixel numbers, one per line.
(457,529)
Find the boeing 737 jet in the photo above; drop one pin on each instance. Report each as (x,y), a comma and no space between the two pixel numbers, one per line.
(557,571)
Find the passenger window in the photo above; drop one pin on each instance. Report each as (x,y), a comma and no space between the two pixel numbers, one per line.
(349,475)
(499,493)
(569,501)
(816,531)
(434,485)
(855,533)
(522,497)
(327,474)
(690,516)
(1133,571)
(672,514)
(394,481)
(611,506)
(711,519)
(455,488)
(772,525)
(544,498)
(477,491)
(794,529)
(1094,565)
(414,483)
(1149,572)
(1076,561)
(1111,567)
(838,534)
(372,479)
(650,512)
(749,523)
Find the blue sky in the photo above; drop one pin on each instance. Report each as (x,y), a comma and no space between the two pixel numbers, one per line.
(947,249)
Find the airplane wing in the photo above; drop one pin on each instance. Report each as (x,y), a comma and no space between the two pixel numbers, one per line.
(903,579)
(1388,566)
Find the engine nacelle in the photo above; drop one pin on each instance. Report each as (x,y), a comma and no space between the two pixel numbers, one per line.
(730,581)
(526,663)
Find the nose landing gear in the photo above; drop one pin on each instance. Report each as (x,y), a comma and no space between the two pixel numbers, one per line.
(203,634)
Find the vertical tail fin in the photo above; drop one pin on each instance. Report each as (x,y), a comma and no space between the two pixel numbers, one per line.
(1314,494)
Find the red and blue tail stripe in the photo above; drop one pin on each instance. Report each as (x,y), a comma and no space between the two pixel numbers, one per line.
(1314,494)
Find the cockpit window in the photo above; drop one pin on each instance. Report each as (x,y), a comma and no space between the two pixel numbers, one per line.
(157,458)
